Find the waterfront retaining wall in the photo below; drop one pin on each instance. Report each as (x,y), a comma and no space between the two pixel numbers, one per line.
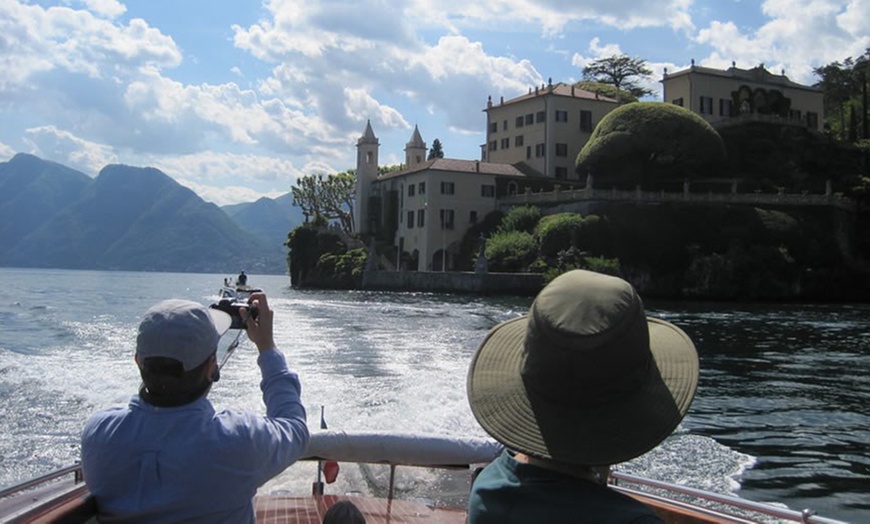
(522,284)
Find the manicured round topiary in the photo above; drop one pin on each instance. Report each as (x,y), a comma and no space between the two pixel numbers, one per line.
(647,141)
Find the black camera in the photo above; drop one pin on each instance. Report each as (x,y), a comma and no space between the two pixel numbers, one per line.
(233,309)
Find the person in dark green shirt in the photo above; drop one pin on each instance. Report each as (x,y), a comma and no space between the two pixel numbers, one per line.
(583,381)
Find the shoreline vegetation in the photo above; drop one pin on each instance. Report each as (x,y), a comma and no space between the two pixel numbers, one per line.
(669,251)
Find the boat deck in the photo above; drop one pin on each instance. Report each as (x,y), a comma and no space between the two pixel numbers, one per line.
(278,509)
(78,508)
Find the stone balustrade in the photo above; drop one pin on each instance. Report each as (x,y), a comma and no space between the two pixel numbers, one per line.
(613,195)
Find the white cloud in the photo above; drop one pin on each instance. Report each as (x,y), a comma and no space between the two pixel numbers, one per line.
(66,148)
(360,106)
(207,172)
(223,196)
(6,152)
(342,68)
(106,8)
(799,35)
(36,40)
(551,16)
(854,18)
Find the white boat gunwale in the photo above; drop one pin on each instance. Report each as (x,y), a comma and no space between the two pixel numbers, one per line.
(68,499)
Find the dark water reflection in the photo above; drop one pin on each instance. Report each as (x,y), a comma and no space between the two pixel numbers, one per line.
(789,385)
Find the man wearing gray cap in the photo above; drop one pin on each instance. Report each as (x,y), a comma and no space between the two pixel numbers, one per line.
(168,455)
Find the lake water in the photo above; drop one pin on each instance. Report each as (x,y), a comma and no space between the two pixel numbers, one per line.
(782,411)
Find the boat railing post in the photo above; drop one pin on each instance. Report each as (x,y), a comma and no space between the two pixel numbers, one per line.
(317,485)
(392,481)
(317,488)
(807,514)
(78,476)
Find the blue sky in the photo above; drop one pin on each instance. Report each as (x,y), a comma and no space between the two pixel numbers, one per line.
(236,99)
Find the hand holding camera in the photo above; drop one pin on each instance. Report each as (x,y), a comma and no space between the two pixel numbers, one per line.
(234,309)
(257,318)
(254,316)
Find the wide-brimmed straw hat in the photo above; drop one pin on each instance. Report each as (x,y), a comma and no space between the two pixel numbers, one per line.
(585,378)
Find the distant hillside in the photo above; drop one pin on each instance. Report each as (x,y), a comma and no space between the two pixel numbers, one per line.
(130,218)
(32,191)
(269,218)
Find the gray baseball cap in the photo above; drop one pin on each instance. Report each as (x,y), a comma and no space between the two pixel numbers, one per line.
(182,330)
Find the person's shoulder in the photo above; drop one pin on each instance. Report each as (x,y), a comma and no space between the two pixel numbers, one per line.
(111,412)
(102,420)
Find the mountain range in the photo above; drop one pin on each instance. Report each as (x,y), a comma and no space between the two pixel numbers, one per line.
(134,219)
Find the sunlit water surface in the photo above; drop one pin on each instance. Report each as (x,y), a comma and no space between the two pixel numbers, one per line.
(781,412)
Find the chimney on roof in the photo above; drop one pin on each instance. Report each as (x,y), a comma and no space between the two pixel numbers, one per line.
(693,62)
(572,89)
(502,100)
(489,101)
(477,166)
(536,90)
(530,90)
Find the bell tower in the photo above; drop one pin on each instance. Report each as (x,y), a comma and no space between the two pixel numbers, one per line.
(415,150)
(366,172)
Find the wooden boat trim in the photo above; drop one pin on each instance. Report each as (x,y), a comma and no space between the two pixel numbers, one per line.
(50,498)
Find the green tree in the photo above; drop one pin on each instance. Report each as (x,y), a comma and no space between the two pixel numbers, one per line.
(510,251)
(835,81)
(557,233)
(846,86)
(651,141)
(607,90)
(621,71)
(521,218)
(330,198)
(436,151)
(392,168)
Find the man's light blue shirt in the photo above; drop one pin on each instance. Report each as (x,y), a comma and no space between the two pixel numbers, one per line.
(145,463)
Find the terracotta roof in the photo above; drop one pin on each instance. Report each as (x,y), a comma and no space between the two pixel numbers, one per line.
(454,165)
(756,74)
(560,89)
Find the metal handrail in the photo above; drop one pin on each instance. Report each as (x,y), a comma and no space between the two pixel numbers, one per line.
(75,469)
(806,516)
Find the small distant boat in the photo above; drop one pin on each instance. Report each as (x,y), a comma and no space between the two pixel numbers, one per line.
(62,496)
(237,293)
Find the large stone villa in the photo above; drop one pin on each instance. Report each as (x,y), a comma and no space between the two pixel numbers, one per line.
(531,144)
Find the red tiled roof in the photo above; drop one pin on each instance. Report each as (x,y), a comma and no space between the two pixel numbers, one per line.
(454,165)
(560,89)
